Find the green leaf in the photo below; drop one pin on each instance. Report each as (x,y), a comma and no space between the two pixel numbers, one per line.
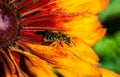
(117,38)
(112,11)
(108,49)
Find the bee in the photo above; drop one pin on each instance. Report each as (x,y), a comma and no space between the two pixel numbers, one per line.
(51,37)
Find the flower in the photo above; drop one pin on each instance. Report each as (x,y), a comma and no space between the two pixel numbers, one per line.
(50,38)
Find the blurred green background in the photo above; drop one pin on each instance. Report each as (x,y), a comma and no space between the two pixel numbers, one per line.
(108,49)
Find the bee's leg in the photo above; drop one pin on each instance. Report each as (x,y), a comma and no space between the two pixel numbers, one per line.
(53,44)
(73,43)
(68,44)
(61,43)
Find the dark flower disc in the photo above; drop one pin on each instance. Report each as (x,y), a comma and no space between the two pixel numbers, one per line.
(8,25)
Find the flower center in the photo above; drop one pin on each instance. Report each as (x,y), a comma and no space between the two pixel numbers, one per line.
(8,25)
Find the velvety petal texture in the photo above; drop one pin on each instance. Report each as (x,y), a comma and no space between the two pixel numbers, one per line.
(36,52)
(87,55)
(108,73)
(84,26)
(81,6)
(75,17)
(63,59)
(35,66)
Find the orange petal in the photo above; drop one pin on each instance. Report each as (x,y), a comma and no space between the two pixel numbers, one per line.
(35,65)
(108,73)
(77,69)
(7,66)
(81,50)
(80,6)
(63,57)
(86,27)
(91,6)
(4,67)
